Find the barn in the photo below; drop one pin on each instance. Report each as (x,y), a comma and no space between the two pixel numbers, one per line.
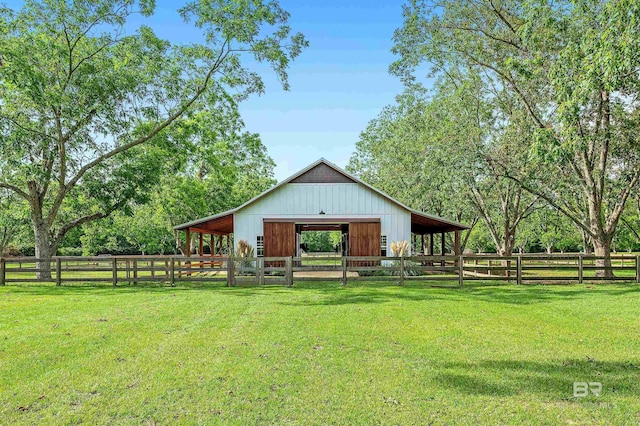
(322,197)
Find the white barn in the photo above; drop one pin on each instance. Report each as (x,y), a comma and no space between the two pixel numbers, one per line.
(322,197)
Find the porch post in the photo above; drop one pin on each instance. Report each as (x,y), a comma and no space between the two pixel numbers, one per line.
(457,242)
(188,243)
(201,246)
(212,245)
(442,249)
(431,244)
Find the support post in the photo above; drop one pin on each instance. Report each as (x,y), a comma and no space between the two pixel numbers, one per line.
(114,271)
(172,272)
(289,270)
(187,245)
(430,244)
(401,270)
(3,271)
(58,272)
(442,250)
(201,245)
(580,268)
(638,269)
(460,270)
(153,269)
(519,270)
(456,245)
(260,271)
(230,272)
(344,271)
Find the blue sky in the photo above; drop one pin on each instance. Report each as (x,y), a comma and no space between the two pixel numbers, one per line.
(338,84)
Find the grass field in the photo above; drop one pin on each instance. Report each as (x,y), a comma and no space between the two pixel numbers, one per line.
(319,354)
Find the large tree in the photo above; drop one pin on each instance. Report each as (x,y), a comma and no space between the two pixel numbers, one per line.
(574,68)
(82,96)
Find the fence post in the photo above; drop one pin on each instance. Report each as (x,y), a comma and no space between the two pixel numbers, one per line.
(172,271)
(58,272)
(114,270)
(638,269)
(3,273)
(580,268)
(260,267)
(135,272)
(401,270)
(344,271)
(460,270)
(519,270)
(230,272)
(289,271)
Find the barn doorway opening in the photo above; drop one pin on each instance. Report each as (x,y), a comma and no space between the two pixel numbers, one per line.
(322,240)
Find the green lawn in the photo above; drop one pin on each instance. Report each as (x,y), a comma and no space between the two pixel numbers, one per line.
(319,354)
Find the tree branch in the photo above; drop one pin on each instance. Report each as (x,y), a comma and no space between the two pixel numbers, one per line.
(15,189)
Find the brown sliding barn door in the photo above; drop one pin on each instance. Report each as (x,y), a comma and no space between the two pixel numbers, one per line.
(279,239)
(364,239)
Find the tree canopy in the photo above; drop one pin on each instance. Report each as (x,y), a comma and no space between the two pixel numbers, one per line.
(92,114)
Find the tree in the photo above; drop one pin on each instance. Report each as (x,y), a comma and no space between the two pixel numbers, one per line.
(82,100)
(573,67)
(12,218)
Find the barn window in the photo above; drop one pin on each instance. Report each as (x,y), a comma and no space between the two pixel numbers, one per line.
(260,245)
(383,245)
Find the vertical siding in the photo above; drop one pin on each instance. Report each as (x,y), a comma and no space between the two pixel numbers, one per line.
(339,200)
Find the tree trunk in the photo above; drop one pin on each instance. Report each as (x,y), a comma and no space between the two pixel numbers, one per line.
(602,248)
(44,250)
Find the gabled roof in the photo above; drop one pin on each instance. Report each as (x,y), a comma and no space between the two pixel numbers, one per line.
(448,224)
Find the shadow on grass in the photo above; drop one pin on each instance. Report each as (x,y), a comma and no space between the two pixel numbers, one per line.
(514,295)
(549,379)
(332,293)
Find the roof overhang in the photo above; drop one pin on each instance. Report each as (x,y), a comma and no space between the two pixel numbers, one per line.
(221,223)
(422,223)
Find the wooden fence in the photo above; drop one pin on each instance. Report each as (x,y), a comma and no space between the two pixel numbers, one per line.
(451,270)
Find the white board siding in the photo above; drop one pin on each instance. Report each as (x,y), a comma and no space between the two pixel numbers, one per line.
(337,200)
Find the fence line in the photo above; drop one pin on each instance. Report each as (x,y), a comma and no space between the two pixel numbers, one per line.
(519,269)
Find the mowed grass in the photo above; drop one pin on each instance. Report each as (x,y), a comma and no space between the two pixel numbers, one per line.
(319,354)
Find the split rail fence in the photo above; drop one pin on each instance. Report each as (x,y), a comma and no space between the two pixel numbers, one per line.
(441,270)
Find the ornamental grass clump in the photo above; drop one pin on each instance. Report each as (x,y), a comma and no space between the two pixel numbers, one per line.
(401,249)
(244,251)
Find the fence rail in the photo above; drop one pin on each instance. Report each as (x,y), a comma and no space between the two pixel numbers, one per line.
(519,269)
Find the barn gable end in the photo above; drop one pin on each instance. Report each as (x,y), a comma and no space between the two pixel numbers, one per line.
(322,173)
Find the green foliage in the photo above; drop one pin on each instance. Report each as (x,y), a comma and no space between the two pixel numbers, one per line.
(562,75)
(94,113)
(321,241)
